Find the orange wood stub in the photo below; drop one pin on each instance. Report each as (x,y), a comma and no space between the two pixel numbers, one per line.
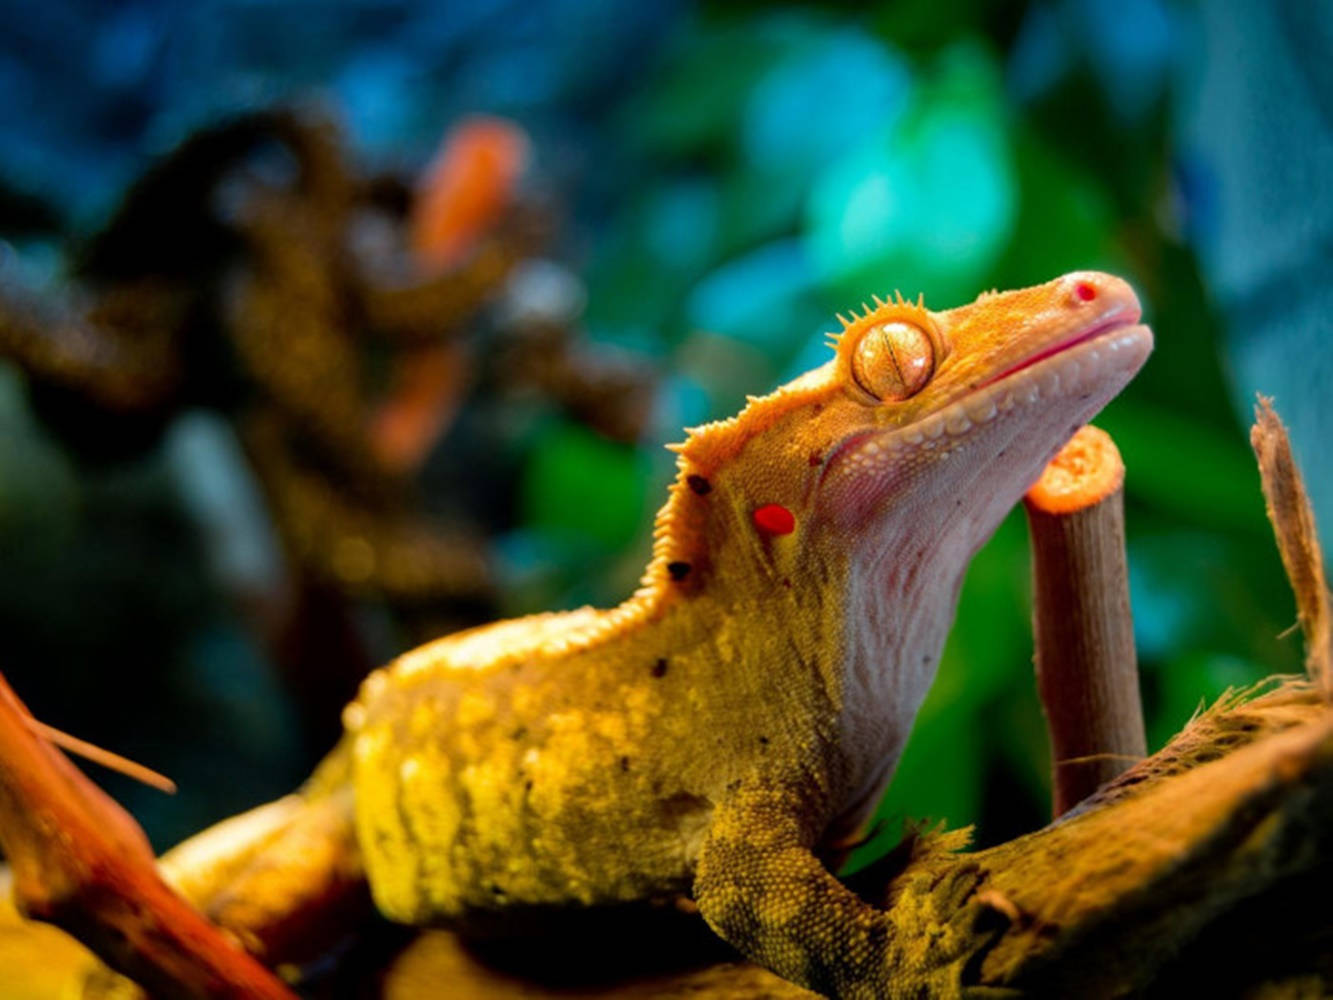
(1087,674)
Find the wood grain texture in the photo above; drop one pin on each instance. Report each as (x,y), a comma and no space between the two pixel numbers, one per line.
(1087,673)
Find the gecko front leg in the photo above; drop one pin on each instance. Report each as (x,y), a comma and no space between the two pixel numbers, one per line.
(761,887)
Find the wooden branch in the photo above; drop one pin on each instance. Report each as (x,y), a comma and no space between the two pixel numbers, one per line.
(82,863)
(1087,675)
(1297,539)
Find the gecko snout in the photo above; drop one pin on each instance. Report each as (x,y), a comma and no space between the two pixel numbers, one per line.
(1104,296)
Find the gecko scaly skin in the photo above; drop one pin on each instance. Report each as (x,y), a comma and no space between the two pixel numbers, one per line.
(740,714)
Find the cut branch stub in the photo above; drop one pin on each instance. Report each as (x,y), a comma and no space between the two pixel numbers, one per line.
(1297,539)
(1087,674)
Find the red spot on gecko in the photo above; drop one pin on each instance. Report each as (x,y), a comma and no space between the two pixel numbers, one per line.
(1085,291)
(774,519)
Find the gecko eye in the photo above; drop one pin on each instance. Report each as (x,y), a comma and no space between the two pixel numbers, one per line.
(893,361)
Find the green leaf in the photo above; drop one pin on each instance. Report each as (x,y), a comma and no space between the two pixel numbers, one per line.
(584,489)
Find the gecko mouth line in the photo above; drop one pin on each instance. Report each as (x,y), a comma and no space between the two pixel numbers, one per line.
(1121,319)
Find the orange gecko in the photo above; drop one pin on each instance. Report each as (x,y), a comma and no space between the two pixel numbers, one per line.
(728,728)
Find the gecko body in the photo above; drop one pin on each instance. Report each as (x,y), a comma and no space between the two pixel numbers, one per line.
(736,719)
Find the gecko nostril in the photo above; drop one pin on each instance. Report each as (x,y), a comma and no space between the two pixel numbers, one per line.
(1086,292)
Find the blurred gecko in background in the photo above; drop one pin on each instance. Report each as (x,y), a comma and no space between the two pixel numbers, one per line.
(725,733)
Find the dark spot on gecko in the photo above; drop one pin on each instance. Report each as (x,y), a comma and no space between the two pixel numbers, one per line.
(497,890)
(624,763)
(527,785)
(519,733)
(819,977)
(660,667)
(681,805)
(816,458)
(763,740)
(678,570)
(786,582)
(699,484)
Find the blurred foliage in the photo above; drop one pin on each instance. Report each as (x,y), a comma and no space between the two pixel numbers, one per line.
(737,175)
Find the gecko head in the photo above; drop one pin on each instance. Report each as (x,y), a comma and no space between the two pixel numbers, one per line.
(960,410)
(925,425)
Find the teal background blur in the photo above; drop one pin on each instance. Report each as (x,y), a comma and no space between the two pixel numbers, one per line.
(733,175)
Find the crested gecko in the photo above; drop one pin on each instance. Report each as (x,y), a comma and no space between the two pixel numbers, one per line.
(734,721)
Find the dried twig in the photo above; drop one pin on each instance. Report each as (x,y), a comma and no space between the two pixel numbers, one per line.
(98,755)
(1297,539)
(1086,670)
(82,863)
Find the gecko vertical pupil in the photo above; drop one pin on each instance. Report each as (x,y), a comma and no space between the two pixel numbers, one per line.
(893,360)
